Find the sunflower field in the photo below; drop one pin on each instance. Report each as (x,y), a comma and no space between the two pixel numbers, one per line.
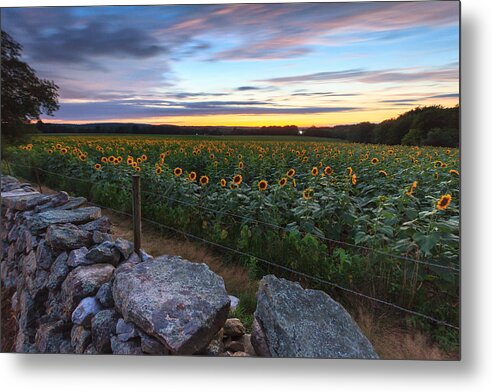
(376,219)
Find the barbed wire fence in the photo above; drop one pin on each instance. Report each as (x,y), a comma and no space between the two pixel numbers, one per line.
(318,280)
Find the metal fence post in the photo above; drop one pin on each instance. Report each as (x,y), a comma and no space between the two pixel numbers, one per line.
(137,213)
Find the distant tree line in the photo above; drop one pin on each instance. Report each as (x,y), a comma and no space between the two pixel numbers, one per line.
(428,125)
(166,129)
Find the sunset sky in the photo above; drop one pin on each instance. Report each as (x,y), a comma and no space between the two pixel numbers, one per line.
(252,64)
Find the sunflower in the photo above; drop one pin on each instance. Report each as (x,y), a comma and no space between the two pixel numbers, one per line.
(97,166)
(282,182)
(178,171)
(455,172)
(138,169)
(314,171)
(412,188)
(162,155)
(349,171)
(50,151)
(307,194)
(134,164)
(139,160)
(143,157)
(129,160)
(374,161)
(353,178)
(233,186)
(262,185)
(58,146)
(237,179)
(437,164)
(241,165)
(444,202)
(223,182)
(82,157)
(203,180)
(63,151)
(158,170)
(328,171)
(112,158)
(192,176)
(383,173)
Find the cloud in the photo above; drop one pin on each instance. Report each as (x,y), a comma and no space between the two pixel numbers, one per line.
(366,76)
(248,88)
(457,95)
(92,111)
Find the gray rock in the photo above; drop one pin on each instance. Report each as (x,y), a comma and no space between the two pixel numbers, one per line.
(216,346)
(98,237)
(125,330)
(90,350)
(245,340)
(102,224)
(234,328)
(84,281)
(77,257)
(58,272)
(50,336)
(144,256)
(151,346)
(72,203)
(17,198)
(103,326)
(36,284)
(24,242)
(180,303)
(105,295)
(104,253)
(44,256)
(85,310)
(55,217)
(305,323)
(66,347)
(55,200)
(131,347)
(234,346)
(234,302)
(23,343)
(67,237)
(80,338)
(28,265)
(125,247)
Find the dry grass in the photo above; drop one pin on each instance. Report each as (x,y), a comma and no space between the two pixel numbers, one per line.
(391,340)
(236,277)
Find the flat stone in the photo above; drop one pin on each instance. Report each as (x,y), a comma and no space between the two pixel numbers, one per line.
(98,237)
(55,217)
(125,247)
(300,323)
(72,203)
(77,257)
(17,197)
(102,224)
(44,255)
(182,304)
(67,237)
(104,253)
(84,281)
(58,272)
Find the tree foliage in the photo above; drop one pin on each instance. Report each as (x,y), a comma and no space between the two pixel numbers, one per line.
(24,96)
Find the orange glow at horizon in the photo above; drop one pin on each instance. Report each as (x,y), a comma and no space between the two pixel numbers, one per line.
(258,120)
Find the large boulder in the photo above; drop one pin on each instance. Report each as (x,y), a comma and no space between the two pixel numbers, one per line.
(181,304)
(305,323)
(84,281)
(54,217)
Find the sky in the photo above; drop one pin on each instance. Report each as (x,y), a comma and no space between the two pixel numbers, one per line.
(305,64)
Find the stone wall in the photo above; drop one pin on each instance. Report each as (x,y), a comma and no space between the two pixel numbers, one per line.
(78,290)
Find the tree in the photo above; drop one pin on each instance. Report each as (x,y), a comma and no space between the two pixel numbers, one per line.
(24,96)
